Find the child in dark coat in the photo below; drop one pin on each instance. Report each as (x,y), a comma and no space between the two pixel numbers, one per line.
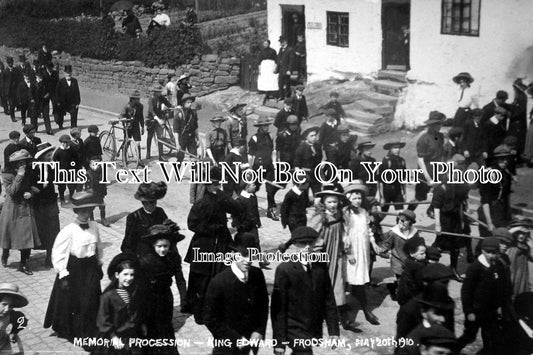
(158,267)
(410,282)
(11,297)
(293,209)
(121,308)
(94,176)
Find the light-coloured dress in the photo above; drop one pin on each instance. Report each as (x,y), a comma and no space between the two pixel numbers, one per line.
(357,244)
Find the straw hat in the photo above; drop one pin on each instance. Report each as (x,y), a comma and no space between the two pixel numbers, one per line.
(10,289)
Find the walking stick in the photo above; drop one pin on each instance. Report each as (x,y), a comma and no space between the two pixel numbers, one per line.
(444,233)
(475,220)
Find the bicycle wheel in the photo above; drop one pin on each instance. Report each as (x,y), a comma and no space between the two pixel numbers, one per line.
(130,155)
(168,140)
(109,146)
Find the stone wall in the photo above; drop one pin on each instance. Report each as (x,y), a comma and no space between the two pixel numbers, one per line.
(209,73)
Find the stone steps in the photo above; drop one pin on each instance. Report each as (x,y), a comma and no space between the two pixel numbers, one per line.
(388,87)
(369,106)
(378,98)
(397,75)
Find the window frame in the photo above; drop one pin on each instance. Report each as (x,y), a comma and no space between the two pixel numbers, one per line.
(339,16)
(450,32)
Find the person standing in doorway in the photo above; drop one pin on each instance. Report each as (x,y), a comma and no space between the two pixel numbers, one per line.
(286,62)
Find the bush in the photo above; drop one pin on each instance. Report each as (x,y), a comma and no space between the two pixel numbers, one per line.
(90,38)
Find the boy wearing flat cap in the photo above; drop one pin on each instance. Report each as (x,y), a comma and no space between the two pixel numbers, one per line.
(302,298)
(395,191)
(299,104)
(280,121)
(486,298)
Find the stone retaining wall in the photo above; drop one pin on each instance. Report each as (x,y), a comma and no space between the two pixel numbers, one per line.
(209,73)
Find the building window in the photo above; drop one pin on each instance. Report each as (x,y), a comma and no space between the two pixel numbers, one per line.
(338,29)
(460,17)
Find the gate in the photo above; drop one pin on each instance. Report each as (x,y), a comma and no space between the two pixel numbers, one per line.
(249,72)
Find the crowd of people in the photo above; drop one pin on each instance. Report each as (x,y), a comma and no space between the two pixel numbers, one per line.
(345,223)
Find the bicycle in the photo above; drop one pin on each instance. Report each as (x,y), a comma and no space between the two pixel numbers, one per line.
(129,148)
(168,140)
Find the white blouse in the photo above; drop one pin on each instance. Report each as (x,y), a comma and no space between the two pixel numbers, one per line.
(72,240)
(468,99)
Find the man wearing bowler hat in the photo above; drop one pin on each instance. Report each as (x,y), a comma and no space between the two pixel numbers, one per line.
(286,64)
(236,305)
(68,98)
(429,148)
(302,298)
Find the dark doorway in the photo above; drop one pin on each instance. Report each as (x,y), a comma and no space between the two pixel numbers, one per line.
(395,21)
(293,22)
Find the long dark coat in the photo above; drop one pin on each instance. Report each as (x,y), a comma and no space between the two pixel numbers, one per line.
(234,309)
(47,212)
(207,219)
(137,224)
(301,302)
(18,229)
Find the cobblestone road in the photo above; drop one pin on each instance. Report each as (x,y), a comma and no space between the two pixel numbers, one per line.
(120,202)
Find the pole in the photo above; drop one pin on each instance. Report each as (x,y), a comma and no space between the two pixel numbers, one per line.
(476,220)
(407,203)
(444,233)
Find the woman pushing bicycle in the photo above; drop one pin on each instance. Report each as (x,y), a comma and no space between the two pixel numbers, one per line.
(134,110)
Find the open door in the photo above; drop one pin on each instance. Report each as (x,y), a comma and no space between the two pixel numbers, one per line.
(395,20)
(293,22)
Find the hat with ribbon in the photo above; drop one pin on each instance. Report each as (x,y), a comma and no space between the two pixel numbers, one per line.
(263,121)
(43,148)
(217,118)
(236,107)
(391,145)
(167,230)
(435,117)
(309,130)
(84,199)
(152,191)
(356,186)
(463,76)
(22,154)
(365,145)
(12,290)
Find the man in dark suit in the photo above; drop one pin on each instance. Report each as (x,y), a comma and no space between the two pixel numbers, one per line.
(499,101)
(280,122)
(474,144)
(11,147)
(302,298)
(44,56)
(9,88)
(25,97)
(50,79)
(68,98)
(236,305)
(42,103)
(286,63)
(30,142)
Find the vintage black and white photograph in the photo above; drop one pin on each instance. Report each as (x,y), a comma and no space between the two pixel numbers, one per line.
(266,177)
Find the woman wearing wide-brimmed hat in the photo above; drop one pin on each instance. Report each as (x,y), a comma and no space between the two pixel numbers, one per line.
(138,222)
(46,208)
(18,229)
(467,100)
(357,243)
(77,258)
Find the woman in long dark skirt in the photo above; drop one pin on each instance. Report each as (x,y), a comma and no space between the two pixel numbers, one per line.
(46,208)
(158,267)
(76,256)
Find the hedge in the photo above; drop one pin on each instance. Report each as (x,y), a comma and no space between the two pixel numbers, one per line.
(95,39)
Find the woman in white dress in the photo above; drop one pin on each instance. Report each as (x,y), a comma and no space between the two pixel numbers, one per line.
(357,242)
(267,81)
